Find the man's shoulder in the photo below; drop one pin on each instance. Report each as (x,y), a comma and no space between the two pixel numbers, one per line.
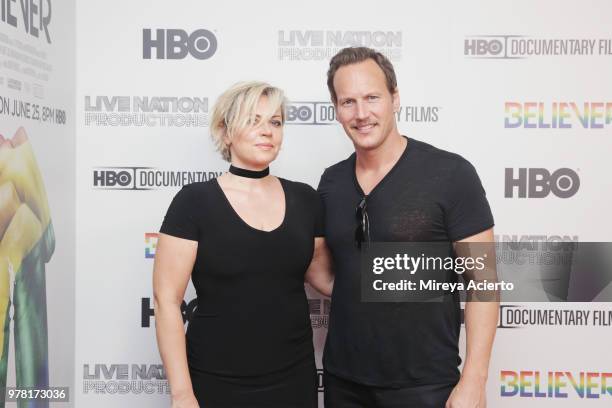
(343,165)
(435,154)
(340,170)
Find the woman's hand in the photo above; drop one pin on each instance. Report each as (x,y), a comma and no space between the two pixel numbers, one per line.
(186,401)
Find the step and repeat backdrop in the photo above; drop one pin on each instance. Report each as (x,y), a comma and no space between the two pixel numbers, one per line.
(522,90)
(37,196)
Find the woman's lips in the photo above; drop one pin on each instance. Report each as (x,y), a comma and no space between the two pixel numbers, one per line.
(265,146)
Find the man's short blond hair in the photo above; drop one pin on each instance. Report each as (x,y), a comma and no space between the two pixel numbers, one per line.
(235,108)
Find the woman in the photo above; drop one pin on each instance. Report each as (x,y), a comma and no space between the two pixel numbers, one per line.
(248,240)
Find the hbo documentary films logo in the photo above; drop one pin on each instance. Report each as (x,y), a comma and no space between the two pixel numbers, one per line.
(172,43)
(515,317)
(540,183)
(324,113)
(146,178)
(519,46)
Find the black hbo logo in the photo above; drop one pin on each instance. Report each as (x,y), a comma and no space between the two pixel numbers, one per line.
(301,113)
(484,47)
(539,183)
(115,178)
(177,44)
(310,113)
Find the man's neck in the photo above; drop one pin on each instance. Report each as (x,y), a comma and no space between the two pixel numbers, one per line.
(384,157)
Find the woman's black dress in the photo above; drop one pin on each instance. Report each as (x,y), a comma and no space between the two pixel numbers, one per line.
(249,342)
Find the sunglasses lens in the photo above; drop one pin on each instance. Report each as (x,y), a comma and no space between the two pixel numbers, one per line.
(361,216)
(359,210)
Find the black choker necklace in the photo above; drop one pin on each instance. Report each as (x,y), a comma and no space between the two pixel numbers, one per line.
(255,174)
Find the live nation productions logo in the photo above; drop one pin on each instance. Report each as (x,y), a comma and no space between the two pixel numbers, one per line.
(145,111)
(34,16)
(124,378)
(321,45)
(323,113)
(540,182)
(520,46)
(557,115)
(146,178)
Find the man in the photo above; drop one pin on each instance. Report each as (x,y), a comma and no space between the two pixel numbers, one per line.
(397,354)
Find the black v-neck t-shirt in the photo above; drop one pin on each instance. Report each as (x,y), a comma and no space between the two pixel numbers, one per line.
(252,316)
(430,195)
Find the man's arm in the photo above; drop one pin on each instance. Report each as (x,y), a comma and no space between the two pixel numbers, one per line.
(481,318)
(320,272)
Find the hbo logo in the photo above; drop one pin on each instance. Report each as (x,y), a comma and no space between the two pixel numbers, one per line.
(483,47)
(539,183)
(301,113)
(111,178)
(310,113)
(177,44)
(147,312)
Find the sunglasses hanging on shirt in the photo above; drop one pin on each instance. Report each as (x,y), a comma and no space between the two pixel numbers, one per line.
(362,232)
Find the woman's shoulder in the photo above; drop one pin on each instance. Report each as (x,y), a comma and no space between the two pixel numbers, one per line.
(195,193)
(200,186)
(301,191)
(298,186)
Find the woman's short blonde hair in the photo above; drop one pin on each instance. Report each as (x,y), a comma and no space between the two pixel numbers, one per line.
(235,109)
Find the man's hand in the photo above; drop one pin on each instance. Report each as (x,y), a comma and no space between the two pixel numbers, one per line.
(470,392)
(481,316)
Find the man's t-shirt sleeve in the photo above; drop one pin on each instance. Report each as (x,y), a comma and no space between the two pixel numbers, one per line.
(179,220)
(321,193)
(468,211)
(319,228)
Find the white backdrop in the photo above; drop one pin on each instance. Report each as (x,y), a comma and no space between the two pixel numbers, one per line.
(454,87)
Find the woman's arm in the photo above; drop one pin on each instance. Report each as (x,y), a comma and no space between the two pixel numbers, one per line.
(174,259)
(320,273)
